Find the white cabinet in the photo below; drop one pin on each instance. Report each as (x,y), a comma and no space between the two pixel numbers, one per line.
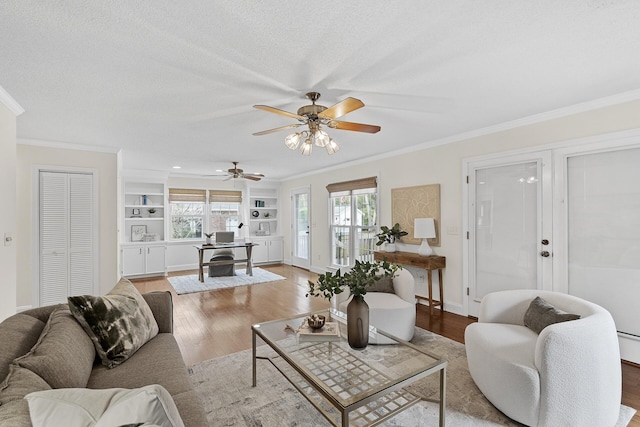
(269,249)
(143,259)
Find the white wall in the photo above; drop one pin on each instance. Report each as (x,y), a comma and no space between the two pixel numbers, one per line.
(443,164)
(8,210)
(31,156)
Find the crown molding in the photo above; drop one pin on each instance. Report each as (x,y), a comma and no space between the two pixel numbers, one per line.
(10,103)
(67,145)
(596,104)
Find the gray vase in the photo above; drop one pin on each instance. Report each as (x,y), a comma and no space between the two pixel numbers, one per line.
(358,323)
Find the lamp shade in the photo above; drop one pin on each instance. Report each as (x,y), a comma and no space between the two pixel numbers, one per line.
(424,228)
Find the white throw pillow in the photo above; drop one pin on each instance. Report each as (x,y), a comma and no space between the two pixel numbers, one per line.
(149,405)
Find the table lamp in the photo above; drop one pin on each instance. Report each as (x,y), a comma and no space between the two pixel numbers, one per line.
(424,228)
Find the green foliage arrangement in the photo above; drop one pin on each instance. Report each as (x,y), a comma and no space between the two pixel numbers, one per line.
(358,279)
(208,235)
(390,235)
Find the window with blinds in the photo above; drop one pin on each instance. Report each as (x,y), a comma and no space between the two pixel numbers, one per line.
(187,211)
(225,208)
(353,218)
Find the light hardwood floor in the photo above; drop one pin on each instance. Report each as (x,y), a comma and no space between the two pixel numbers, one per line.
(217,323)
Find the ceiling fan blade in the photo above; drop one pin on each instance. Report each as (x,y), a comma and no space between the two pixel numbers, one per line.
(252,177)
(264,132)
(356,127)
(341,108)
(279,111)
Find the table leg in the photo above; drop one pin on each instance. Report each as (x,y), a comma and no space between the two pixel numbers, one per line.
(443,395)
(441,291)
(200,272)
(249,270)
(253,347)
(429,284)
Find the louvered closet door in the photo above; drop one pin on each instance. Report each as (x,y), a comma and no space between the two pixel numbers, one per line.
(66,236)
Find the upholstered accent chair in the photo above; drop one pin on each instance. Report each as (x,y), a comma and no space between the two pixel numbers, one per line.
(394,313)
(567,375)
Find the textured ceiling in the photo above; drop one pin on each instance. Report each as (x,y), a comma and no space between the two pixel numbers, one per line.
(174,82)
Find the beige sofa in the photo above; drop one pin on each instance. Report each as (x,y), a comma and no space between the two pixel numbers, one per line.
(159,361)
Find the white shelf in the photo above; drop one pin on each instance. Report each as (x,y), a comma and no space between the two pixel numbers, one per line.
(145,206)
(145,218)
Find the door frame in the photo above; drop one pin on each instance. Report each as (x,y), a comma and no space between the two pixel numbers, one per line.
(295,261)
(545,268)
(35,225)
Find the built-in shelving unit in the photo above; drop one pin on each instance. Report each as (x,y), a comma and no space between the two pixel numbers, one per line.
(144,205)
(143,247)
(263,225)
(263,212)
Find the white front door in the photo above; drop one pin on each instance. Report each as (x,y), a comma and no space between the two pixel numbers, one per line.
(510,217)
(300,230)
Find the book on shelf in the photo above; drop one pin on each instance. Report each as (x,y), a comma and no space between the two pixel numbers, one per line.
(329,332)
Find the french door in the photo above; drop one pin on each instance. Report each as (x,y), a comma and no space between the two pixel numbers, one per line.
(509,215)
(300,233)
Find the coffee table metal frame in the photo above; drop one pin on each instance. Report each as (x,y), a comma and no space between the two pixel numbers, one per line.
(392,386)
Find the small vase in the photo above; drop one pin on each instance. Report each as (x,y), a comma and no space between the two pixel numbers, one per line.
(390,247)
(358,323)
(207,241)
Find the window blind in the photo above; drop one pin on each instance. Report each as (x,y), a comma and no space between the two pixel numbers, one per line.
(356,184)
(225,196)
(187,195)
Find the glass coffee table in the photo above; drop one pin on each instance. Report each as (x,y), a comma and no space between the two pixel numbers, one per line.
(348,387)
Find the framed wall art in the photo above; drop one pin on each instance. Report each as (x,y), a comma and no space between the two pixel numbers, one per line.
(409,203)
(138,232)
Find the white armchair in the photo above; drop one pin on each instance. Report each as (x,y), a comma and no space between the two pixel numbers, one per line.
(392,313)
(568,375)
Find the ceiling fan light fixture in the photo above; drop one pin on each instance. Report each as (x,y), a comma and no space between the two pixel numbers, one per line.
(293,141)
(331,146)
(306,147)
(321,138)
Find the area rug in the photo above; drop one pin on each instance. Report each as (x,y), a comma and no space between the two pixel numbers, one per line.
(224,386)
(190,284)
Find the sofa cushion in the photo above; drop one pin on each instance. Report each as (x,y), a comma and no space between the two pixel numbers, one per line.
(18,334)
(383,284)
(63,355)
(14,410)
(541,314)
(83,407)
(119,323)
(157,362)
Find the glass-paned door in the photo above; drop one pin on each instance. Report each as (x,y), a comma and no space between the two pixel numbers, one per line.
(603,218)
(301,232)
(509,225)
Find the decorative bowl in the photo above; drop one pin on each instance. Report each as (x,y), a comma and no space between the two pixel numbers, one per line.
(315,321)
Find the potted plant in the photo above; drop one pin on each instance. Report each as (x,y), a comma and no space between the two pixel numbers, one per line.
(389,236)
(357,280)
(208,236)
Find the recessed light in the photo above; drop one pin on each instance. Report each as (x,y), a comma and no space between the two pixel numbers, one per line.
(177,167)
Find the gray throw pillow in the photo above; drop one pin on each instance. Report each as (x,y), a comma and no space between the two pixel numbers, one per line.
(541,314)
(118,323)
(63,355)
(383,284)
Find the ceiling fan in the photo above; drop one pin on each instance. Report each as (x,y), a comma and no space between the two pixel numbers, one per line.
(315,117)
(235,172)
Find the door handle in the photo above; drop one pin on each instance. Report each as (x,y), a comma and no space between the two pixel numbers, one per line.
(545,254)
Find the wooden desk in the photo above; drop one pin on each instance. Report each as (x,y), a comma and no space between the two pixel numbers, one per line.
(429,263)
(202,248)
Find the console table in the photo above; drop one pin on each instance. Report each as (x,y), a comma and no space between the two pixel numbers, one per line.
(429,263)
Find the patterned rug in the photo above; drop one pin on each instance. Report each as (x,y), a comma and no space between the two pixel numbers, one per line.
(224,386)
(190,284)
